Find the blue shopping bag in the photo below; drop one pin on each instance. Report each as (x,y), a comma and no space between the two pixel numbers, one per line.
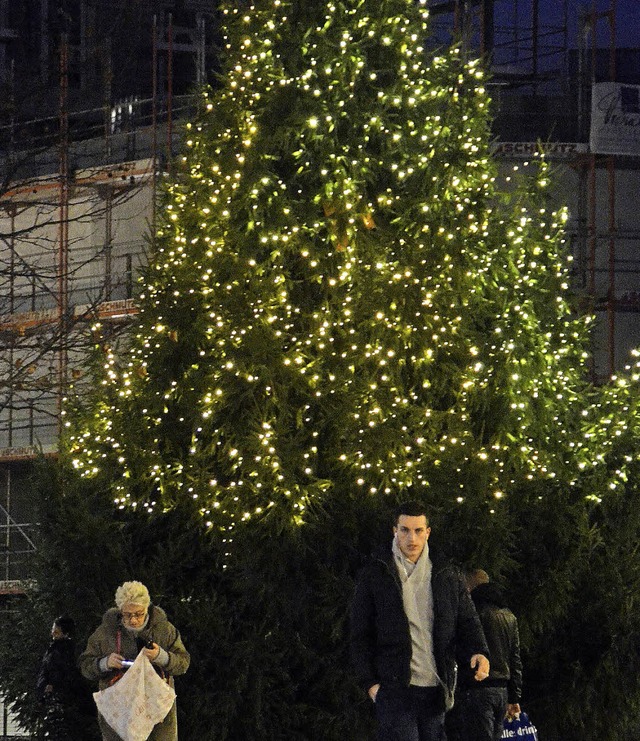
(519,728)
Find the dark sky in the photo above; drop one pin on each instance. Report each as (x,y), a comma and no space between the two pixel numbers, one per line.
(559,29)
(628,23)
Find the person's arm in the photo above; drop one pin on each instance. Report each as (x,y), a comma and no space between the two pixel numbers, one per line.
(363,637)
(470,635)
(97,659)
(43,686)
(172,657)
(514,685)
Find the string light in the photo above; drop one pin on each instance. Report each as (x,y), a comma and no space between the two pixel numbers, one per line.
(345,295)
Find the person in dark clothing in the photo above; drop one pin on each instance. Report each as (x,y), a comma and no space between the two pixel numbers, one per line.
(410,615)
(479,710)
(66,698)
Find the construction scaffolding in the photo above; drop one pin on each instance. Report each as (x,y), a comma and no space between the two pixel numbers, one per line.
(544,64)
(77,207)
(612,249)
(17,535)
(80,193)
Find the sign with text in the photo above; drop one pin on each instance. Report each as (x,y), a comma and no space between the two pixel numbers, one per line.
(615,119)
(554,150)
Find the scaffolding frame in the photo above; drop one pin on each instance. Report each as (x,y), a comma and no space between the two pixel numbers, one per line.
(16,542)
(538,52)
(153,135)
(145,126)
(609,162)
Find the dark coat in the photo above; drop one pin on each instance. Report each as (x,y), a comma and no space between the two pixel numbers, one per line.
(68,708)
(380,636)
(103,642)
(501,631)
(59,670)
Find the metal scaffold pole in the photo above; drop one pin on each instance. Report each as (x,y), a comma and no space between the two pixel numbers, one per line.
(170,93)
(154,125)
(63,231)
(611,171)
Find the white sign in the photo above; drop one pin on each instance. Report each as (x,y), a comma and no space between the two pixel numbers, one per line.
(615,119)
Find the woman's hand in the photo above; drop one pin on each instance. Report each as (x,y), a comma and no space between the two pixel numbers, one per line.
(114,661)
(152,653)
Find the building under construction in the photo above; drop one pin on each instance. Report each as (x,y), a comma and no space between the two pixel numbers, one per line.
(93,93)
(549,60)
(90,97)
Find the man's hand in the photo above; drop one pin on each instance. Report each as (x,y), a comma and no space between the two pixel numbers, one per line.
(373,691)
(513,710)
(481,664)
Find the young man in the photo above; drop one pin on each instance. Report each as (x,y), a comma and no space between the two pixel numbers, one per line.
(411,616)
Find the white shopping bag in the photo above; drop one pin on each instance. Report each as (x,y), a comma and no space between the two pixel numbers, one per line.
(134,704)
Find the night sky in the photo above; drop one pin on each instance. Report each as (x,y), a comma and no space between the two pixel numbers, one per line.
(628,23)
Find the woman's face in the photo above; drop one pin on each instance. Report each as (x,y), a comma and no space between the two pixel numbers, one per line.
(56,632)
(133,615)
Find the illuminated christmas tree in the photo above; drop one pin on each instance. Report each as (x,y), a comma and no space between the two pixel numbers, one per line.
(344,297)
(346,304)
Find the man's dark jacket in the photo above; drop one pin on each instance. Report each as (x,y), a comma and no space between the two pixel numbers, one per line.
(380,636)
(501,631)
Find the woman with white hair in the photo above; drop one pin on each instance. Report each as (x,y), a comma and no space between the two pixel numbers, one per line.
(132,626)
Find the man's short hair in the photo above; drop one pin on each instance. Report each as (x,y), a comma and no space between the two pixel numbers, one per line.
(475,577)
(411,508)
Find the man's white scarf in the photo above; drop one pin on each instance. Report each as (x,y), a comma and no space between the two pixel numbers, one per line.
(417,598)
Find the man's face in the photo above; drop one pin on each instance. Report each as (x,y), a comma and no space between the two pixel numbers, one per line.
(56,632)
(412,533)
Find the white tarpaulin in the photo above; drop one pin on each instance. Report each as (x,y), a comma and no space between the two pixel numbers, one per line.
(615,119)
(134,704)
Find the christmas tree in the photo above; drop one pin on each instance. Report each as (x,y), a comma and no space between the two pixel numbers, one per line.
(347,304)
(343,298)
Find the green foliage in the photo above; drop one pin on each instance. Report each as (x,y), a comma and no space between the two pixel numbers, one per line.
(343,296)
(266,633)
(347,305)
(78,557)
(25,629)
